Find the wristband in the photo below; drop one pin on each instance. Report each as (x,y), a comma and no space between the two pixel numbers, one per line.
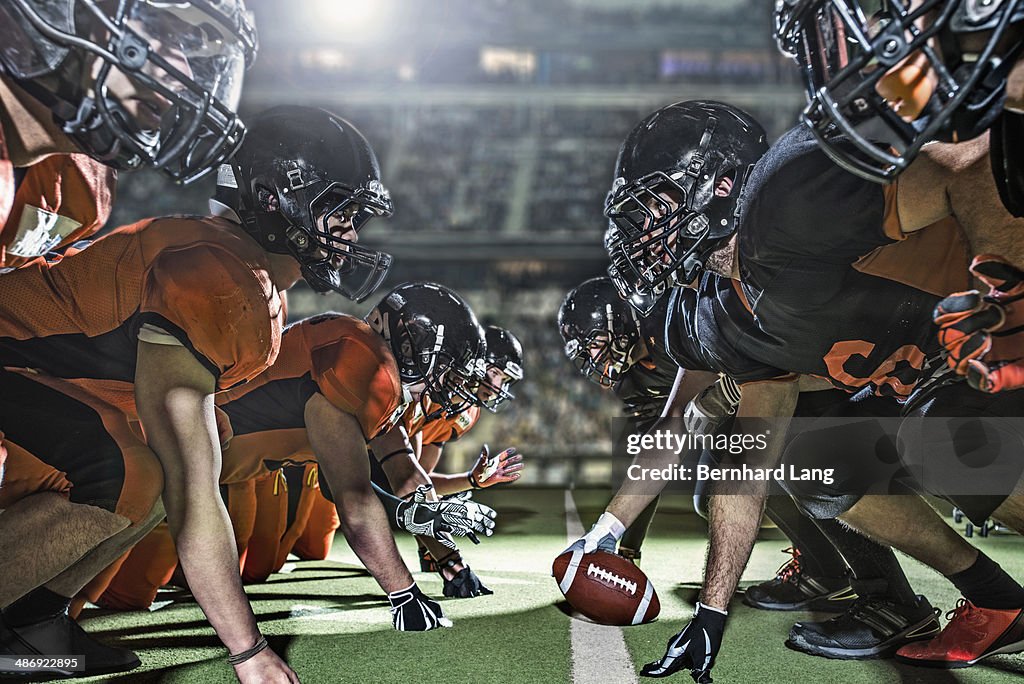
(239,658)
(472,481)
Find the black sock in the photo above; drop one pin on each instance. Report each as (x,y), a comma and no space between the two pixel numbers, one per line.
(37,605)
(987,585)
(875,568)
(818,558)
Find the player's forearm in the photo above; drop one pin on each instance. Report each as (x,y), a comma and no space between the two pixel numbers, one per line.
(733,523)
(450,483)
(366,528)
(404,473)
(203,538)
(634,495)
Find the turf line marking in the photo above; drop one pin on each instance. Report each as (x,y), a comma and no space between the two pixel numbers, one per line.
(599,653)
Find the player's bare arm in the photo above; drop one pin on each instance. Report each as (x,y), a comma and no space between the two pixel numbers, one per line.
(634,496)
(338,442)
(398,459)
(734,518)
(174,395)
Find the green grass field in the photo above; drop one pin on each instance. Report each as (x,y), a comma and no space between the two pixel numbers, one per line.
(332,623)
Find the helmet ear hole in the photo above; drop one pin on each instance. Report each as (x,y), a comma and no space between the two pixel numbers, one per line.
(266,200)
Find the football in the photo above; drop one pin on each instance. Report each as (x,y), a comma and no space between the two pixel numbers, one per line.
(606,587)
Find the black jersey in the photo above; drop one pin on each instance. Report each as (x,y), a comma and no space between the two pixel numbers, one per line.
(709,329)
(645,387)
(835,289)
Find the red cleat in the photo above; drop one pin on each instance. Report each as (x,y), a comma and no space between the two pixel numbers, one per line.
(972,634)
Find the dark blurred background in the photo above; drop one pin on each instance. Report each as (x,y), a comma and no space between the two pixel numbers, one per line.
(497,123)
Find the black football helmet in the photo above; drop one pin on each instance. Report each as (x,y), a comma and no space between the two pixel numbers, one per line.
(436,340)
(302,176)
(934,89)
(505,354)
(600,331)
(673,201)
(137,82)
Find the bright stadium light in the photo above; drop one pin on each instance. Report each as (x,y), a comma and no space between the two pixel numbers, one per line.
(354,19)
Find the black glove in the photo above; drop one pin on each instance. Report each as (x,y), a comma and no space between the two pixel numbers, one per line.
(465,584)
(693,649)
(413,611)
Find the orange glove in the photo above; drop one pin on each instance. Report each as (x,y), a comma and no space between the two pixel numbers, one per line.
(984,335)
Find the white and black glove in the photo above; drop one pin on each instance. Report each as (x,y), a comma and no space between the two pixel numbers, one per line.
(457,515)
(709,409)
(693,649)
(413,611)
(603,536)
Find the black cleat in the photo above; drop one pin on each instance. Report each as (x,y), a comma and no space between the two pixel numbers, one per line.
(62,636)
(793,589)
(872,628)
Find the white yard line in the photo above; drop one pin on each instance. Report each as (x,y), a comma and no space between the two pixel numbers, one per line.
(599,653)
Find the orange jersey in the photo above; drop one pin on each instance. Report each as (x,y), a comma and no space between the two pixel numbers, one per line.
(201,280)
(59,200)
(335,355)
(439,430)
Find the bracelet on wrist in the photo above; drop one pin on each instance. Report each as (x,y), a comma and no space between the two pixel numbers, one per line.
(239,658)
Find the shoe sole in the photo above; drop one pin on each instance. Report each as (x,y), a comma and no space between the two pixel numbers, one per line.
(836,602)
(886,649)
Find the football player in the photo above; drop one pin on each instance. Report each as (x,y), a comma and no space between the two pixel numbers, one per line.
(334,388)
(883,79)
(78,77)
(149,323)
(892,75)
(502,369)
(818,578)
(815,292)
(88,87)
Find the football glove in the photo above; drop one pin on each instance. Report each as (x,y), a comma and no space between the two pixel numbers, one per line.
(491,470)
(694,648)
(465,584)
(984,335)
(413,611)
(456,515)
(604,535)
(708,410)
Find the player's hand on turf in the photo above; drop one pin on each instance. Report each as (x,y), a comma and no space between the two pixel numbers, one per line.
(501,467)
(465,584)
(414,611)
(265,667)
(457,515)
(984,334)
(603,536)
(693,649)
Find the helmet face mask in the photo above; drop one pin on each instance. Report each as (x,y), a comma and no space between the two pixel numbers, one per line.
(601,356)
(890,75)
(147,84)
(331,262)
(600,331)
(655,239)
